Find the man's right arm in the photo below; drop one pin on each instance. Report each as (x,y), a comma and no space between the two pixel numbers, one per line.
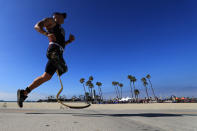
(40,26)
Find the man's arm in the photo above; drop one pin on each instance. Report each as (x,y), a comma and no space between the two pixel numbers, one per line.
(67,42)
(41,24)
(71,39)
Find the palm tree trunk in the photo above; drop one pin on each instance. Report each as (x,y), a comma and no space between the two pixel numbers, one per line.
(101,94)
(147,92)
(137,98)
(121,92)
(118,92)
(98,91)
(131,90)
(89,90)
(84,88)
(152,88)
(134,89)
(91,93)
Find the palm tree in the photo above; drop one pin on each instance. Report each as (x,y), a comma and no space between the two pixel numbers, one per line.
(148,77)
(101,93)
(88,85)
(130,79)
(82,80)
(145,83)
(133,80)
(99,84)
(114,83)
(121,85)
(137,92)
(91,78)
(91,85)
(117,86)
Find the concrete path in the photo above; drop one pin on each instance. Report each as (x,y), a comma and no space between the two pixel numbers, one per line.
(97,120)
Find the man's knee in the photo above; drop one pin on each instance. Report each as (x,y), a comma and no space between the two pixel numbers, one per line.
(46,76)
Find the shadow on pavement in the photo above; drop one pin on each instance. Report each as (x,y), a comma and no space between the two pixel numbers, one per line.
(117,115)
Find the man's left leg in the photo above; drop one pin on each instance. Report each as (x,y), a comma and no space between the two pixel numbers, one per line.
(38,81)
(47,75)
(22,94)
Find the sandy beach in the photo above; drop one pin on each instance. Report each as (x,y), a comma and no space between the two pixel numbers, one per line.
(150,106)
(99,117)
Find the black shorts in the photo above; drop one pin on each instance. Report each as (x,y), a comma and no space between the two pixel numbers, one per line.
(51,67)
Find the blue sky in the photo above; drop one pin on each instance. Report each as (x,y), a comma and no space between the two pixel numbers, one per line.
(113,39)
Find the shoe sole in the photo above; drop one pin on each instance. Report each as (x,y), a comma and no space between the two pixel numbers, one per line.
(18,98)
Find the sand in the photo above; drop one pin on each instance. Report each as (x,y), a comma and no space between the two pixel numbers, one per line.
(151,106)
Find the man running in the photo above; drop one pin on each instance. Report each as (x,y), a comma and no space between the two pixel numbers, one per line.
(57,43)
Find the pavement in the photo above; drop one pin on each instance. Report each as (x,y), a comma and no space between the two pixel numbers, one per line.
(97,120)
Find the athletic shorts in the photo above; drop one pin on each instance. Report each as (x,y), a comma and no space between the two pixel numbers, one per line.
(51,67)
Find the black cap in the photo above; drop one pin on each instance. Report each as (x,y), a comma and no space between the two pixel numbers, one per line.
(58,13)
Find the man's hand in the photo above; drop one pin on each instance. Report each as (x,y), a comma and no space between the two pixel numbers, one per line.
(51,37)
(71,38)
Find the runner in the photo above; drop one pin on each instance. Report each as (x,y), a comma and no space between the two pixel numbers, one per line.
(57,43)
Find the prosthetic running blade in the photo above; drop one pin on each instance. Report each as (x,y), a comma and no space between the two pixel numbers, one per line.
(64,104)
